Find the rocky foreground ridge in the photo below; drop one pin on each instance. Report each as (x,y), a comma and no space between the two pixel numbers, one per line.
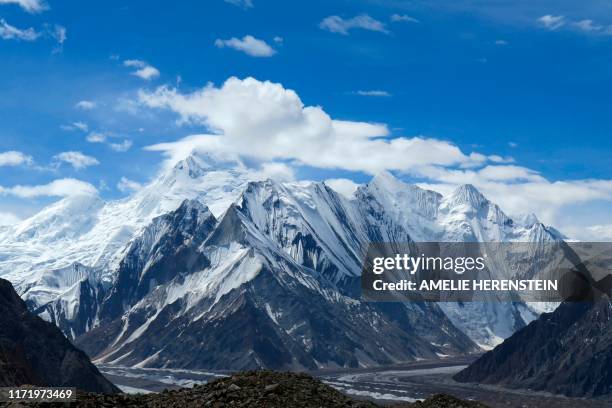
(254,389)
(33,351)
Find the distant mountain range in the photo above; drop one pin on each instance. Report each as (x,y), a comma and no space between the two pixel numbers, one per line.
(35,352)
(250,274)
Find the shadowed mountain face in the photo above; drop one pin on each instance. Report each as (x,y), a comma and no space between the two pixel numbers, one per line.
(35,352)
(568,351)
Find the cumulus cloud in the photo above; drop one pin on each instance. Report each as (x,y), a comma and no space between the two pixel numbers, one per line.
(344,186)
(31,6)
(339,25)
(265,121)
(268,123)
(249,45)
(7,218)
(403,18)
(85,105)
(142,69)
(57,188)
(9,32)
(14,158)
(76,159)
(126,185)
(373,92)
(245,4)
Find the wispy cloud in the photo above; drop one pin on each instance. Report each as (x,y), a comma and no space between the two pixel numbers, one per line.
(249,45)
(552,22)
(14,158)
(75,125)
(245,4)
(57,188)
(143,69)
(126,185)
(501,43)
(373,92)
(586,26)
(76,159)
(31,6)
(85,105)
(98,137)
(339,25)
(9,32)
(122,146)
(403,18)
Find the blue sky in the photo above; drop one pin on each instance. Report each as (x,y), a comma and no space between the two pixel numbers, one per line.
(524,84)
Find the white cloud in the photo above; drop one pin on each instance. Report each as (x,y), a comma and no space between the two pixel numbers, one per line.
(85,105)
(278,39)
(31,6)
(14,158)
(501,42)
(339,25)
(276,171)
(397,18)
(249,45)
(265,121)
(7,218)
(374,92)
(81,126)
(513,144)
(9,32)
(245,4)
(552,22)
(126,185)
(57,188)
(74,126)
(587,26)
(121,147)
(143,69)
(344,186)
(95,137)
(76,159)
(600,232)
(59,33)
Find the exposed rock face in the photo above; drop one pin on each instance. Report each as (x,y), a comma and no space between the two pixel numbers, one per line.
(35,352)
(568,351)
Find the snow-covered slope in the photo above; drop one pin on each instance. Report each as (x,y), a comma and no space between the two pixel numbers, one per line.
(84,232)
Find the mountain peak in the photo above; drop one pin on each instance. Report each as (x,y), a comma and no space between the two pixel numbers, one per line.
(386,181)
(467,194)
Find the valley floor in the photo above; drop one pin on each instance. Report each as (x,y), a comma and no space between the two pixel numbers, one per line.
(402,383)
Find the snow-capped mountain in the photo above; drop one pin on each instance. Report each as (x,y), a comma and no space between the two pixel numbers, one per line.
(46,256)
(201,252)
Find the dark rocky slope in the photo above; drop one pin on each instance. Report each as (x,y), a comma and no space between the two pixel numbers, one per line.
(36,352)
(254,389)
(568,351)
